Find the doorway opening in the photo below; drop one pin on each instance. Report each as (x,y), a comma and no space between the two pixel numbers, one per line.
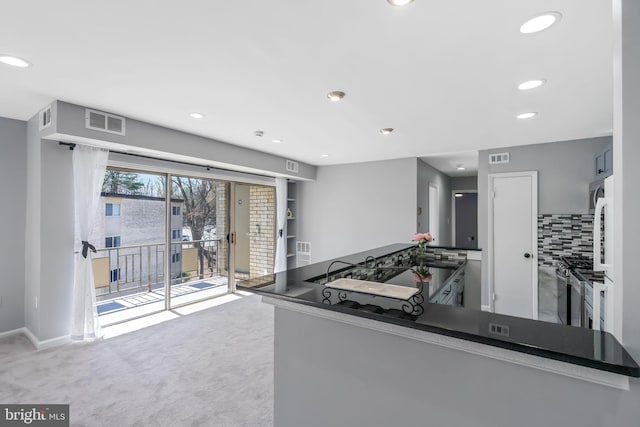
(465,218)
(434,211)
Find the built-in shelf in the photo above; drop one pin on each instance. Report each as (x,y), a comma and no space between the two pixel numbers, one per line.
(290,229)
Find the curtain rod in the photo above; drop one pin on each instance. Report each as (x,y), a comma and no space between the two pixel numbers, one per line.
(71,146)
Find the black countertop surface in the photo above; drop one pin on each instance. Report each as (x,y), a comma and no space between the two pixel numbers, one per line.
(580,346)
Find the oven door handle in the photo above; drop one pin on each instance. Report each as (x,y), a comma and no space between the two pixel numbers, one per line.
(598,265)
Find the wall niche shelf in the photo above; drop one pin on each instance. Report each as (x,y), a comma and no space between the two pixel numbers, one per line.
(290,231)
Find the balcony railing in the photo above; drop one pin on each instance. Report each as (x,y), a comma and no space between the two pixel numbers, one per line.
(131,269)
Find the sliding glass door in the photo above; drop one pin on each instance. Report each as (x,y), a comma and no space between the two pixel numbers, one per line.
(156,253)
(130,238)
(199,247)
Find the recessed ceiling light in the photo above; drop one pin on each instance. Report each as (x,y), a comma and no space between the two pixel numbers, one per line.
(276,141)
(325,155)
(386,131)
(460,167)
(14,61)
(526,115)
(540,22)
(399,2)
(531,84)
(336,95)
(196,115)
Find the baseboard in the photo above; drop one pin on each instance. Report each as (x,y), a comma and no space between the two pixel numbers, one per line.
(41,345)
(11,333)
(485,308)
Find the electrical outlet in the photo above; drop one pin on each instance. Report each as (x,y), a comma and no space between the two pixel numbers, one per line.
(496,329)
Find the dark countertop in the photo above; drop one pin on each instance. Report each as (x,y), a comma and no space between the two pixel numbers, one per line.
(579,346)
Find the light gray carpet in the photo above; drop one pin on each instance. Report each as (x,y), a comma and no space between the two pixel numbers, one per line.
(210,368)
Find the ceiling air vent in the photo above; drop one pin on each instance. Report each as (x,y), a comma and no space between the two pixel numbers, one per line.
(103,122)
(292,166)
(44,118)
(497,158)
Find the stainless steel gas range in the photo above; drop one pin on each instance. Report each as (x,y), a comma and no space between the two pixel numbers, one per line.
(575,278)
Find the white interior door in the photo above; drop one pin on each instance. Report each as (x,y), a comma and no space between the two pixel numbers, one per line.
(434,212)
(513,243)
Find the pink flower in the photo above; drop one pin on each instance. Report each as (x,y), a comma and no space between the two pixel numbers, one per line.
(422,236)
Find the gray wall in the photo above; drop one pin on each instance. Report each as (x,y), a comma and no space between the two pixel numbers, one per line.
(32,234)
(427,174)
(56,241)
(168,143)
(356,207)
(13,190)
(565,170)
(464,183)
(626,158)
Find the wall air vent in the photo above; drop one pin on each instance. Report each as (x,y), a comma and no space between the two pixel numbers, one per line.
(103,122)
(303,253)
(292,166)
(44,118)
(497,158)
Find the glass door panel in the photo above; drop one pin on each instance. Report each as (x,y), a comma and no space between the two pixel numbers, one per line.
(254,211)
(199,249)
(130,240)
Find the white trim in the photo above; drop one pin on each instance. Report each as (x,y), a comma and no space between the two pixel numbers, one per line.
(12,333)
(534,235)
(41,345)
(453,214)
(583,373)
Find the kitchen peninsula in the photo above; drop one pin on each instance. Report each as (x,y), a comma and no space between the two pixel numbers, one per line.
(345,353)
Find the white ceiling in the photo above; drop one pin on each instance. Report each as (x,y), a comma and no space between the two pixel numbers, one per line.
(442,73)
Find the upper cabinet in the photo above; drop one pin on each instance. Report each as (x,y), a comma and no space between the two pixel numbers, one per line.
(604,162)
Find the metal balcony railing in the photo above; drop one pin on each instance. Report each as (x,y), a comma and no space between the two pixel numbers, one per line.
(131,269)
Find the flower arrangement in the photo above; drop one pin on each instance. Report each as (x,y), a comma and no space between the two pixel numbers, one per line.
(422,239)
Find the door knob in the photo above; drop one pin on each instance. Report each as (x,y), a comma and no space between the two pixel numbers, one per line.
(527,255)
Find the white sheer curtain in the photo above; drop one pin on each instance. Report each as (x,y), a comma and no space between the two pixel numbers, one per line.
(281,219)
(89,165)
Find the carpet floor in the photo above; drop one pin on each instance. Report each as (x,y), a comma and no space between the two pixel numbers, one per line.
(209,368)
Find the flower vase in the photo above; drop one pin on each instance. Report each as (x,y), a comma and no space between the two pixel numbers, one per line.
(421,255)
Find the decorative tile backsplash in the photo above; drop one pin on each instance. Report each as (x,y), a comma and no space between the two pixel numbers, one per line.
(564,235)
